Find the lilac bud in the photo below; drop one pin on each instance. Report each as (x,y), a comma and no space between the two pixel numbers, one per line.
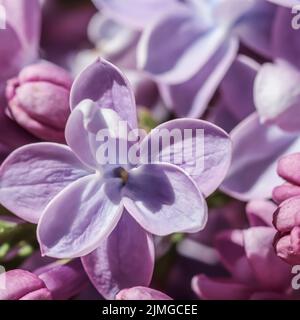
(57,281)
(21,285)
(38,100)
(287,247)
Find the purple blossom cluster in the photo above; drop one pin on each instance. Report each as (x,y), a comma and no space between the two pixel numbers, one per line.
(208,92)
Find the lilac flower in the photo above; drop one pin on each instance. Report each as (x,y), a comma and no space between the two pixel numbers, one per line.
(109,212)
(188,79)
(256,272)
(275,126)
(141,293)
(57,281)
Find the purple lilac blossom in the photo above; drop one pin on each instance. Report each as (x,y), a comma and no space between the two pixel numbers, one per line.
(107,214)
(275,123)
(189,80)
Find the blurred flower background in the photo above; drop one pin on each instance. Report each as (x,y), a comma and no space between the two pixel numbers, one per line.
(69,68)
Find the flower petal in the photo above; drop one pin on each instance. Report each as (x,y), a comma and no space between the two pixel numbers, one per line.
(177,61)
(230,245)
(84,126)
(219,289)
(270,271)
(162,210)
(191,98)
(256,150)
(255,28)
(204,154)
(124,259)
(277,95)
(260,213)
(285,34)
(104,84)
(79,218)
(32,175)
(237,86)
(135,13)
(286,3)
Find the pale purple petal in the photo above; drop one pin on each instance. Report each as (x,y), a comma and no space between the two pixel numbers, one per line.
(277,95)
(205,155)
(221,116)
(256,150)
(177,61)
(192,97)
(118,44)
(83,127)
(21,37)
(123,260)
(162,210)
(256,26)
(105,84)
(79,218)
(285,3)
(237,87)
(32,175)
(136,13)
(285,38)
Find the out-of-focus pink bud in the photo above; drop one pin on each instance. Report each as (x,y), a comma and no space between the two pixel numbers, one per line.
(21,285)
(287,216)
(288,247)
(38,100)
(141,293)
(57,281)
(287,222)
(285,191)
(289,168)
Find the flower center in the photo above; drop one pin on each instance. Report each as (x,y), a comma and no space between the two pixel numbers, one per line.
(121,173)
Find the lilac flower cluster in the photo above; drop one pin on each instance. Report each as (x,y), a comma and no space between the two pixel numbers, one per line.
(79,219)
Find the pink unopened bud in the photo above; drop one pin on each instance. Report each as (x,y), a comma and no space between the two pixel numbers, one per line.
(23,285)
(289,168)
(141,293)
(38,100)
(287,215)
(285,191)
(287,247)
